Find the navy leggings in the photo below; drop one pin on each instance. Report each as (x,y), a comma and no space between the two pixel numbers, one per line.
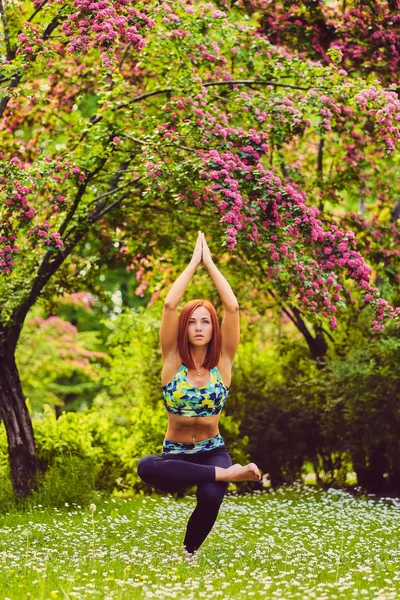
(176,472)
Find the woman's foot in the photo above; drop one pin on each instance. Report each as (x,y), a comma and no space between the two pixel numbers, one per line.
(190,556)
(236,472)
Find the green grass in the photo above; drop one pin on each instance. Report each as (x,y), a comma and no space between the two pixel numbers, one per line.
(293,543)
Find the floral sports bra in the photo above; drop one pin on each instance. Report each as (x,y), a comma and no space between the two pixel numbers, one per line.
(182,398)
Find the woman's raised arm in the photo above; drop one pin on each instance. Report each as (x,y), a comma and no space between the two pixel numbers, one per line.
(169,321)
(230,326)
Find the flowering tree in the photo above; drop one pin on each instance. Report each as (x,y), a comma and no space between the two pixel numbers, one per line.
(131,124)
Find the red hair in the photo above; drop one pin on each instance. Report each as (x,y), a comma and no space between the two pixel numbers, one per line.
(214,346)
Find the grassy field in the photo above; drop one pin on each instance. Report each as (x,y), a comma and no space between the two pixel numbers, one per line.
(293,543)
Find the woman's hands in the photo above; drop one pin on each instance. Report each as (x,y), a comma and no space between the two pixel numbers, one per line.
(197,252)
(206,258)
(201,252)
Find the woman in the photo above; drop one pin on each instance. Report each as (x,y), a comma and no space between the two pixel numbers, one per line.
(197,362)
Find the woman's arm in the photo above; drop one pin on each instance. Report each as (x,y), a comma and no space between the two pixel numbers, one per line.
(230,326)
(169,321)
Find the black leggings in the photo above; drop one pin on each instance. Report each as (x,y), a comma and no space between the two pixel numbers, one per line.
(176,472)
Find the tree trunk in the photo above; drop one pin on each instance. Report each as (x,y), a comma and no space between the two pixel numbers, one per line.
(371,476)
(18,424)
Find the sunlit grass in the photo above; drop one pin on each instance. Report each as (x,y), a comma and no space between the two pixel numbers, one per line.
(293,543)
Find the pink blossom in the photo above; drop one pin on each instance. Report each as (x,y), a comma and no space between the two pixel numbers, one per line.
(333,323)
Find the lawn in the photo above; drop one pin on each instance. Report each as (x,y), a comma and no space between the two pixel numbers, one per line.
(289,543)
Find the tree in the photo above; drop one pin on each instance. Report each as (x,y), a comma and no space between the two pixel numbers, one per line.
(132,126)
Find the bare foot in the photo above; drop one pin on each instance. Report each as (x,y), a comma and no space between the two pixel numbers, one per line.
(236,472)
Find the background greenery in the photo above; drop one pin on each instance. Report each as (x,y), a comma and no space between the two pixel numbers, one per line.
(303,397)
(290,414)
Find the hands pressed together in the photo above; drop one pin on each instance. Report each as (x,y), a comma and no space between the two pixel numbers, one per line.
(201,252)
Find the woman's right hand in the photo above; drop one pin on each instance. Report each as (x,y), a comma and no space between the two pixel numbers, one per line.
(197,252)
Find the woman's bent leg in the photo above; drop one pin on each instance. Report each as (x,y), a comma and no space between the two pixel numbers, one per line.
(209,497)
(172,474)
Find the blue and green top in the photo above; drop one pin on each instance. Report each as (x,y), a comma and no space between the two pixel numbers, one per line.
(186,400)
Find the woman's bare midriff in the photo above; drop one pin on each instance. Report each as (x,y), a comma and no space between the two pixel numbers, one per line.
(186,430)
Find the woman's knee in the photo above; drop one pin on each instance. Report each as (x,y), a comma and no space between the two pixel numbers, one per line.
(146,466)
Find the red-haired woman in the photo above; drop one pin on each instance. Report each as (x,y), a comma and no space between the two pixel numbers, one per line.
(197,362)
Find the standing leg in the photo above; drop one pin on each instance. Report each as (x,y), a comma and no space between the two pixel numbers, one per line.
(209,497)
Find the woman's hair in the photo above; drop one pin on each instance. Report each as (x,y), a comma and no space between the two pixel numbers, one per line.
(214,347)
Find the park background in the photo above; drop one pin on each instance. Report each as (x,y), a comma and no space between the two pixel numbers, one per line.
(127,127)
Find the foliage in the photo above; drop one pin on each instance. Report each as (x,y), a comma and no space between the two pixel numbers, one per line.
(82,453)
(153,119)
(125,129)
(65,359)
(273,399)
(362,36)
(362,388)
(341,415)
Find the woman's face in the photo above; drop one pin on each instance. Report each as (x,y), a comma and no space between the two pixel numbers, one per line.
(200,327)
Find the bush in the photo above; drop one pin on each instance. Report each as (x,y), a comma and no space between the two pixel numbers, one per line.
(363,391)
(274,397)
(343,415)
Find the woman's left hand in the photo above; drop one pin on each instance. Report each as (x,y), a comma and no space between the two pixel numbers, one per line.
(206,252)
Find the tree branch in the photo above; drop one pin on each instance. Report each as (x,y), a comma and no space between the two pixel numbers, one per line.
(97,217)
(121,62)
(73,209)
(250,82)
(112,191)
(10,55)
(230,83)
(317,345)
(320,166)
(49,266)
(4,101)
(39,8)
(143,143)
(51,26)
(113,188)
(52,261)
(79,195)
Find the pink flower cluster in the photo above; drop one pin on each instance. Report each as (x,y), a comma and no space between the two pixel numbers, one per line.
(383,107)
(253,201)
(30,41)
(20,180)
(141,289)
(154,174)
(84,299)
(382,29)
(17,187)
(105,24)
(18,201)
(6,256)
(215,56)
(288,25)
(224,168)
(52,240)
(328,111)
(286,117)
